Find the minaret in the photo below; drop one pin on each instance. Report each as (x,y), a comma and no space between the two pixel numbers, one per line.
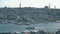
(20,5)
(49,6)
(54,7)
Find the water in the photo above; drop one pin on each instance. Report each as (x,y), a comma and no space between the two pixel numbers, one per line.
(51,27)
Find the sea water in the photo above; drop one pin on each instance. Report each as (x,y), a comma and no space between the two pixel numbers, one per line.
(50,27)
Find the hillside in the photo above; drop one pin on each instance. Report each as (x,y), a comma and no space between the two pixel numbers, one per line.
(29,15)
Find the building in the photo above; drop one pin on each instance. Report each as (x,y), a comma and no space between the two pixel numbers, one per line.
(33,32)
(26,32)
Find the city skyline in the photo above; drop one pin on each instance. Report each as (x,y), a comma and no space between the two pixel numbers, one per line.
(30,3)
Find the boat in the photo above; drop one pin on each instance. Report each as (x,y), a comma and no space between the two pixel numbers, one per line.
(30,28)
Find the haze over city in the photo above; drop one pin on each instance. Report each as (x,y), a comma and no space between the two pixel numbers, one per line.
(30,3)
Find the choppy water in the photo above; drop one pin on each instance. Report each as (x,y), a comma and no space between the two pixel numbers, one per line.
(42,26)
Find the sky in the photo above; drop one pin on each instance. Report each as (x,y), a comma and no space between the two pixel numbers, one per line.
(30,3)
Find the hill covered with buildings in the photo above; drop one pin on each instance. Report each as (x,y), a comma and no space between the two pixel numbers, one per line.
(28,15)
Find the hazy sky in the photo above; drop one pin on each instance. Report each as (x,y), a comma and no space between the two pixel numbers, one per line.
(30,3)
